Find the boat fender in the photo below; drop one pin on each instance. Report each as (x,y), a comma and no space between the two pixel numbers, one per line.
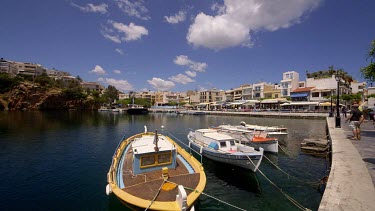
(108,189)
(189,144)
(201,150)
(181,198)
(145,129)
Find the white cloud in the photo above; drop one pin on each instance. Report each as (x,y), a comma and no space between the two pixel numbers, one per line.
(131,31)
(134,8)
(121,85)
(179,17)
(237,19)
(118,32)
(117,71)
(191,73)
(118,50)
(183,60)
(113,38)
(180,78)
(160,84)
(98,70)
(101,8)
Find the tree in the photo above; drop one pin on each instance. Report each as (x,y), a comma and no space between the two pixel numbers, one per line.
(111,93)
(368,72)
(79,78)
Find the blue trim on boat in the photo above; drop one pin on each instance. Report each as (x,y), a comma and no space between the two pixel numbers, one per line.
(120,182)
(187,165)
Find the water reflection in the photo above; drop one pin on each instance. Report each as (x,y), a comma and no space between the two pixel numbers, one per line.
(52,158)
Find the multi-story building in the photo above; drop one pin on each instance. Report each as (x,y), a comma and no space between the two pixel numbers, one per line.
(229,95)
(301,94)
(289,83)
(209,96)
(29,69)
(8,67)
(247,91)
(92,86)
(259,88)
(271,91)
(324,86)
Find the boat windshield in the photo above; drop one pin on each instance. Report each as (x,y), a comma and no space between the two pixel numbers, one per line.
(223,144)
(232,143)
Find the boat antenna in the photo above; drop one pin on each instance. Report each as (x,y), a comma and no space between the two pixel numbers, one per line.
(156,139)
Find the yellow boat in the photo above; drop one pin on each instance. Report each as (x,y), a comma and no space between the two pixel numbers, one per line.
(151,171)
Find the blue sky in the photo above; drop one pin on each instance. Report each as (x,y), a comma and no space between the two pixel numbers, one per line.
(186,45)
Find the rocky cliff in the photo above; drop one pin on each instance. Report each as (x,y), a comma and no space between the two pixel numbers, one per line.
(31,96)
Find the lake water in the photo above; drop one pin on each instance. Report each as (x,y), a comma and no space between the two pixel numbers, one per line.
(59,161)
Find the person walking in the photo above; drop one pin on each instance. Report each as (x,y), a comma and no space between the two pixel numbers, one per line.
(356,118)
(343,111)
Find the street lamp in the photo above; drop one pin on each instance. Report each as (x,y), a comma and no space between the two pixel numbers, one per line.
(331,113)
(338,118)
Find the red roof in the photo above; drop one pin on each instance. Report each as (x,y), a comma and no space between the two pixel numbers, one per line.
(305,89)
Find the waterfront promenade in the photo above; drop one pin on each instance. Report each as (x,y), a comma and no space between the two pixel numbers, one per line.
(350,185)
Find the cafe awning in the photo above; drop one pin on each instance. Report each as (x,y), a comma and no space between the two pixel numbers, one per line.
(326,104)
(301,94)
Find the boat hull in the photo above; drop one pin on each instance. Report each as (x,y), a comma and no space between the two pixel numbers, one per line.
(246,160)
(137,111)
(130,187)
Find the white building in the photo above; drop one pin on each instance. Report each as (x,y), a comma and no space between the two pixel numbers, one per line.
(324,86)
(289,83)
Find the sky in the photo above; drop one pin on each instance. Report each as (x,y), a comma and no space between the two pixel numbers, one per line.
(180,45)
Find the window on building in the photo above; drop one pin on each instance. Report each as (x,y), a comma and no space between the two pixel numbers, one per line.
(276,96)
(232,143)
(291,76)
(326,94)
(257,95)
(315,94)
(287,75)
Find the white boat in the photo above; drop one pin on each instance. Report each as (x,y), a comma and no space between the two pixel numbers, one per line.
(257,139)
(104,109)
(223,148)
(151,171)
(272,131)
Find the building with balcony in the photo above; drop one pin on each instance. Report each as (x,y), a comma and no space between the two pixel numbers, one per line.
(289,83)
(8,67)
(324,86)
(259,88)
(92,86)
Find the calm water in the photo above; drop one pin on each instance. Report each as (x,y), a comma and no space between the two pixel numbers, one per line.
(59,161)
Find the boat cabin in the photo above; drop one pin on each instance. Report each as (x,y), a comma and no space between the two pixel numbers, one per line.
(152,153)
(215,140)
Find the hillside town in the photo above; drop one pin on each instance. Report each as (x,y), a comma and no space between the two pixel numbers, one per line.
(318,92)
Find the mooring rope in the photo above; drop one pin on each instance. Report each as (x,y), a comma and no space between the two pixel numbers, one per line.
(224,202)
(155,195)
(290,176)
(298,205)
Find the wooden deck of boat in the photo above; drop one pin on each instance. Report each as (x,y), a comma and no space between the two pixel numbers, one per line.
(147,185)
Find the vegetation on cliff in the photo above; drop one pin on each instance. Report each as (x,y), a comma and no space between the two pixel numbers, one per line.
(44,93)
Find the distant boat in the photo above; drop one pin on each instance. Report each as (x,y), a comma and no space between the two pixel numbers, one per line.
(104,109)
(256,139)
(198,113)
(223,148)
(135,109)
(151,171)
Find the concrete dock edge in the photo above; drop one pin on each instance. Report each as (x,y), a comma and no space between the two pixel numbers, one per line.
(349,186)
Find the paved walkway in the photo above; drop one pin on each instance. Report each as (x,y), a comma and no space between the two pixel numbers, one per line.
(366,146)
(350,185)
